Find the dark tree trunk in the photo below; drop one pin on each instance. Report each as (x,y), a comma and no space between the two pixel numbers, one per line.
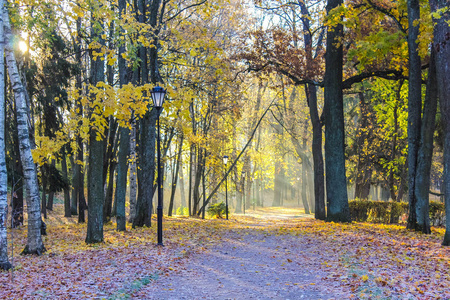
(182,187)
(44,175)
(147,138)
(96,152)
(191,166)
(82,206)
(121,184)
(310,176)
(239,195)
(109,167)
(303,192)
(191,159)
(51,197)
(124,141)
(197,180)
(95,191)
(364,167)
(109,211)
(311,96)
(133,173)
(337,201)
(67,212)
(204,187)
(391,180)
(425,154)
(175,176)
(17,180)
(75,185)
(442,46)
(146,170)
(51,194)
(319,178)
(414,106)
(77,174)
(278,184)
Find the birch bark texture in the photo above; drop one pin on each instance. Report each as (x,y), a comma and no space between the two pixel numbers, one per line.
(4,262)
(34,239)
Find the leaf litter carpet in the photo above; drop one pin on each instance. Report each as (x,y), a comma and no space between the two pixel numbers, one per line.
(281,255)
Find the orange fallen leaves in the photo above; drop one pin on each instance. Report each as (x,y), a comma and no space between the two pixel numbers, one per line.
(385,261)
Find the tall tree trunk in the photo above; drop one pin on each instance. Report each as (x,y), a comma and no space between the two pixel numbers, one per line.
(121,184)
(182,187)
(442,46)
(51,197)
(337,201)
(95,191)
(133,173)
(147,147)
(319,178)
(17,184)
(204,186)
(146,170)
(311,96)
(305,164)
(67,212)
(310,176)
(124,139)
(109,211)
(303,192)
(78,199)
(197,180)
(34,239)
(175,176)
(51,194)
(239,194)
(82,206)
(78,176)
(96,151)
(44,172)
(74,198)
(414,106)
(391,179)
(425,154)
(191,166)
(278,181)
(108,167)
(364,166)
(4,261)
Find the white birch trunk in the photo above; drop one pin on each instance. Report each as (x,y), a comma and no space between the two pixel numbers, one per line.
(34,240)
(4,262)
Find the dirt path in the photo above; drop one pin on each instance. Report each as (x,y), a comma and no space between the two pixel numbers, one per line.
(248,264)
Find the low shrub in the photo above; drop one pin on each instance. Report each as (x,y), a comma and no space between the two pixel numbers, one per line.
(377,211)
(217,210)
(437,213)
(390,211)
(182,211)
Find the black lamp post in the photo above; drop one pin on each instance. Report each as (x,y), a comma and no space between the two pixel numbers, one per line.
(225,161)
(158,94)
(243,188)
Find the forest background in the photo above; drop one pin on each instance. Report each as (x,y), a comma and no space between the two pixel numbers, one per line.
(315,103)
